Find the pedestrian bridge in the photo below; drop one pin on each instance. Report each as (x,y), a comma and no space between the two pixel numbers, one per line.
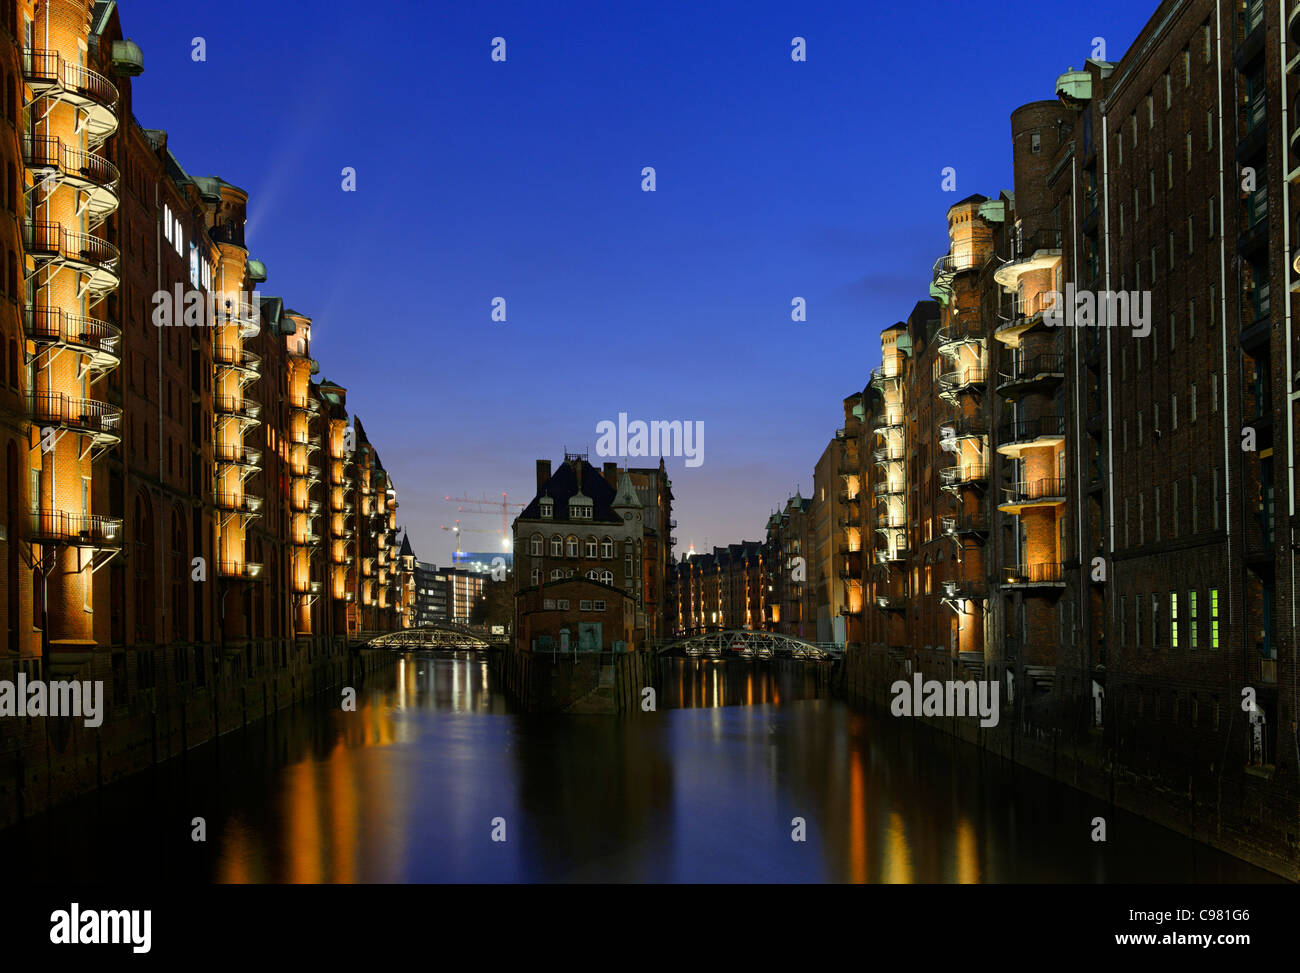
(748,644)
(432,637)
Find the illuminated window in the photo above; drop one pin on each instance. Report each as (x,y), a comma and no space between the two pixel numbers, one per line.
(1214,618)
(1173,619)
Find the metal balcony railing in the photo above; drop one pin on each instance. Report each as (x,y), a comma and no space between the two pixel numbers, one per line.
(44,152)
(52,325)
(1028,430)
(964,473)
(55,240)
(1044,572)
(82,530)
(1039,366)
(44,69)
(1040,489)
(1025,245)
(85,415)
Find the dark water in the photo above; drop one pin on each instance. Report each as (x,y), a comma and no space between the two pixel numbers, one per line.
(407,789)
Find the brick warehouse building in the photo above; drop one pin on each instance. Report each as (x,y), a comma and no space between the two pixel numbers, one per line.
(1102,518)
(188,513)
(1121,567)
(604,526)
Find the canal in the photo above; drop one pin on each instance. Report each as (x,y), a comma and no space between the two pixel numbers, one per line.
(413,785)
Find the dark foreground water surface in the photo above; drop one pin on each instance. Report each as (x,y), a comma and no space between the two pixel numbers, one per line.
(412,786)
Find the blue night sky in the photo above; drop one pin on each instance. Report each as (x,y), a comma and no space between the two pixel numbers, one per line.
(522,179)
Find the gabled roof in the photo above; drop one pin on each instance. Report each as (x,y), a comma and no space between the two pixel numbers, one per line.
(564,483)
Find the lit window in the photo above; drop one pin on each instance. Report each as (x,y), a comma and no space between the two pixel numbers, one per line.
(1214,618)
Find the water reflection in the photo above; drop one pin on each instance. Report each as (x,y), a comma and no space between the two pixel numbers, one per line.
(407,788)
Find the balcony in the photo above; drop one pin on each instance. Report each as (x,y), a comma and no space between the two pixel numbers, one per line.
(87,417)
(247,364)
(964,474)
(1030,252)
(960,332)
(243,408)
(306,587)
(1048,491)
(952,433)
(92,175)
(98,340)
(1043,574)
(238,502)
(891,603)
(1025,315)
(95,97)
(240,570)
(242,314)
(970,522)
(888,521)
(305,538)
(1023,434)
(886,488)
(235,455)
(303,404)
(890,424)
(1254,238)
(1038,373)
(1250,21)
(967,378)
(886,379)
(962,589)
(889,454)
(94,258)
(76,530)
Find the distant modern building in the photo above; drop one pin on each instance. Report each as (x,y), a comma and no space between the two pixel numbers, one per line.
(483,562)
(431,595)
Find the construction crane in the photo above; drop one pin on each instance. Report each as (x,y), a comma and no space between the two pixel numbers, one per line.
(477,507)
(458,530)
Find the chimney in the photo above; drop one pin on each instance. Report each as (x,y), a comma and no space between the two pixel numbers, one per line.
(611,474)
(543,473)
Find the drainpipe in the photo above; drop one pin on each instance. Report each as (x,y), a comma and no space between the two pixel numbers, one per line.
(1291,394)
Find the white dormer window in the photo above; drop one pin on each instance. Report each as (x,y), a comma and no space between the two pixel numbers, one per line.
(548,508)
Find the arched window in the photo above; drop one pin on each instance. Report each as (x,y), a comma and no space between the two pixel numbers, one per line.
(537,575)
(572,546)
(607,577)
(535,545)
(557,546)
(606,548)
(557,574)
(593,575)
(591,547)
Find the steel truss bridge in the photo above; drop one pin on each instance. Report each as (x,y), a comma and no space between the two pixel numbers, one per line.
(433,637)
(748,644)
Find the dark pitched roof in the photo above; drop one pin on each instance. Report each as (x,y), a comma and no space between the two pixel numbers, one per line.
(406,550)
(563,484)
